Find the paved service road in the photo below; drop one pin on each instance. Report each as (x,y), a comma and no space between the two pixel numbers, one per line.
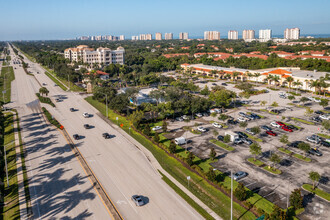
(59,187)
(121,168)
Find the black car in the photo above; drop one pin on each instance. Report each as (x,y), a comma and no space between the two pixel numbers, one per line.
(87,126)
(265,127)
(325,143)
(72,109)
(224,84)
(241,134)
(233,122)
(319,112)
(315,151)
(295,144)
(106,135)
(292,127)
(247,141)
(220,137)
(316,119)
(255,116)
(76,136)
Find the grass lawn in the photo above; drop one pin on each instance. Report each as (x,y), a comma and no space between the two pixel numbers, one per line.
(60,84)
(256,162)
(253,137)
(317,191)
(271,170)
(7,73)
(222,145)
(298,156)
(212,197)
(324,135)
(11,209)
(303,121)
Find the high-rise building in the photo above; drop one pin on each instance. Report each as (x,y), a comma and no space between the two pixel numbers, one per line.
(148,36)
(158,36)
(265,34)
(211,35)
(232,35)
(135,37)
(122,37)
(168,36)
(292,33)
(248,34)
(183,36)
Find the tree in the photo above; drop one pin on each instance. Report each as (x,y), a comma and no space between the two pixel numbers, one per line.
(275,159)
(276,79)
(326,124)
(315,177)
(164,126)
(156,137)
(308,111)
(172,147)
(213,154)
(222,97)
(190,159)
(43,90)
(135,118)
(289,80)
(222,117)
(304,99)
(304,147)
(243,124)
(255,149)
(297,84)
(275,104)
(205,91)
(256,75)
(235,74)
(226,138)
(291,97)
(296,199)
(211,175)
(278,214)
(255,129)
(284,139)
(240,192)
(147,130)
(263,103)
(324,103)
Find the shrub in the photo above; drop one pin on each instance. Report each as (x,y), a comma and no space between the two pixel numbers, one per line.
(156,137)
(223,117)
(240,192)
(296,199)
(172,148)
(211,175)
(226,138)
(243,124)
(190,159)
(147,130)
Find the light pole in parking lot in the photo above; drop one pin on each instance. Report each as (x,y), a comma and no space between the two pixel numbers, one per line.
(231,196)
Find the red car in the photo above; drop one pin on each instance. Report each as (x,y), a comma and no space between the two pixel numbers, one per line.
(285,128)
(280,123)
(272,133)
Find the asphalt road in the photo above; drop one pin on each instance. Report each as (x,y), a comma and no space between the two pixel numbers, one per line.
(122,169)
(59,187)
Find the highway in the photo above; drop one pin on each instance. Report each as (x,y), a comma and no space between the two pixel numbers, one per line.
(122,169)
(59,188)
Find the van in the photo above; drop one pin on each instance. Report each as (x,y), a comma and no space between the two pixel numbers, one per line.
(180,141)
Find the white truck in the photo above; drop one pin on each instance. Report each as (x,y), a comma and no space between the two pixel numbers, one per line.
(232,135)
(180,141)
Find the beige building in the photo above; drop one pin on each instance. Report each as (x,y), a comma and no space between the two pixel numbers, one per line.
(292,33)
(158,36)
(232,35)
(168,36)
(248,35)
(101,55)
(211,35)
(183,36)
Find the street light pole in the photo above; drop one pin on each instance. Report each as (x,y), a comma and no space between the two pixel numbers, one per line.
(231,196)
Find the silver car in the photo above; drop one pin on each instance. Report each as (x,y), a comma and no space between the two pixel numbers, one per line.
(137,200)
(239,175)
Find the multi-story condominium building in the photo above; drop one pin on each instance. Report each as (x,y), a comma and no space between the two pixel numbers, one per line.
(101,55)
(232,35)
(158,36)
(265,34)
(168,36)
(211,35)
(122,37)
(183,36)
(248,34)
(145,37)
(292,33)
(135,37)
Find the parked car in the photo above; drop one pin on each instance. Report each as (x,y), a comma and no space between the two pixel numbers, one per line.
(201,129)
(249,117)
(199,115)
(280,123)
(319,112)
(137,200)
(241,134)
(316,119)
(317,100)
(76,136)
(106,135)
(220,138)
(255,116)
(217,125)
(237,141)
(313,140)
(156,128)
(249,130)
(315,151)
(57,100)
(274,124)
(44,84)
(265,127)
(239,175)
(285,128)
(224,84)
(325,143)
(205,114)
(247,141)
(325,117)
(272,133)
(179,119)
(242,114)
(231,121)
(241,119)
(87,126)
(86,115)
(292,127)
(295,144)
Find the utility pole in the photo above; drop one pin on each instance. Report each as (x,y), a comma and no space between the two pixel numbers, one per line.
(231,196)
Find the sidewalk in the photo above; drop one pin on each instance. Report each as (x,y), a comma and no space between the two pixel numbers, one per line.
(157,166)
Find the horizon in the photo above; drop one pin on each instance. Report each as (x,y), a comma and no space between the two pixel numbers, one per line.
(59,20)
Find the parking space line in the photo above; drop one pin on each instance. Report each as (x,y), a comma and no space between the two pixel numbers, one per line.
(251,184)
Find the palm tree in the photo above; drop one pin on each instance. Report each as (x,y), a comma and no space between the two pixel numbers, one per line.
(222,73)
(297,84)
(256,75)
(43,90)
(235,74)
(227,75)
(276,79)
(315,84)
(289,80)
(269,79)
(249,75)
(213,72)
(323,85)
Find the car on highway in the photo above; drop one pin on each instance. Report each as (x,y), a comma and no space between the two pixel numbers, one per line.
(295,144)
(220,138)
(86,115)
(241,119)
(315,151)
(137,200)
(285,128)
(72,110)
(76,136)
(44,84)
(313,139)
(239,175)
(272,133)
(265,127)
(87,126)
(156,128)
(201,129)
(249,130)
(106,135)
(216,125)
(274,124)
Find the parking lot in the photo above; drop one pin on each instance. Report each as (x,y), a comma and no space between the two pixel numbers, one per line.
(273,187)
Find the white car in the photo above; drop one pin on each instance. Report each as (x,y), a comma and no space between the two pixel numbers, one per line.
(217,125)
(212,111)
(311,98)
(199,115)
(274,124)
(86,115)
(317,100)
(327,140)
(325,117)
(156,128)
(241,119)
(201,129)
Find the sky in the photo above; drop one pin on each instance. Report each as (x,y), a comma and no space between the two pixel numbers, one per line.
(65,19)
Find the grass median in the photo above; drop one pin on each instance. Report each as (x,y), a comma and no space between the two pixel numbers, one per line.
(303,121)
(45,99)
(222,145)
(60,84)
(317,191)
(7,76)
(324,135)
(298,156)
